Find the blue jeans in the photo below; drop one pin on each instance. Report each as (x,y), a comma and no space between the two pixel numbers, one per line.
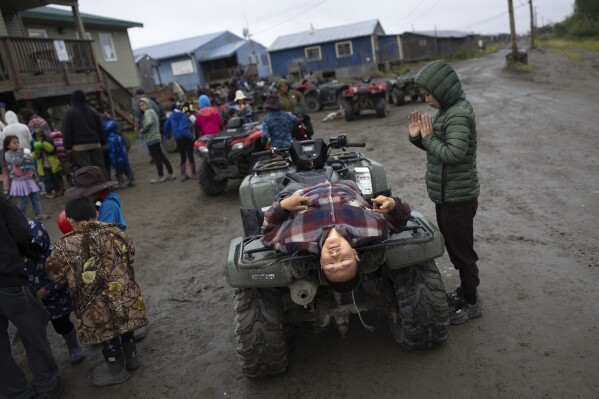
(35,203)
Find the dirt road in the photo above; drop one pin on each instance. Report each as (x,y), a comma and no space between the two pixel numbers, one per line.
(536,234)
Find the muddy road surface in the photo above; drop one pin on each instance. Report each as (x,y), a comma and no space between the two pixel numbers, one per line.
(536,234)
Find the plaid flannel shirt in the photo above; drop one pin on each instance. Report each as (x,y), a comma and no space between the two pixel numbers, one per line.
(338,204)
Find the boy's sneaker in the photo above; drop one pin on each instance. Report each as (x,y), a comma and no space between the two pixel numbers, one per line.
(184,178)
(465,311)
(172,176)
(41,216)
(455,297)
(158,179)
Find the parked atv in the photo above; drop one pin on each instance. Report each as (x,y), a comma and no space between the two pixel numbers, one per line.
(275,291)
(227,155)
(365,96)
(316,97)
(402,86)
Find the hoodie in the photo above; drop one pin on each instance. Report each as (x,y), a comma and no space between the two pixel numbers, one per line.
(81,124)
(15,128)
(178,124)
(151,124)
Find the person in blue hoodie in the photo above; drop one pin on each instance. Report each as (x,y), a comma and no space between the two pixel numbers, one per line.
(117,153)
(179,127)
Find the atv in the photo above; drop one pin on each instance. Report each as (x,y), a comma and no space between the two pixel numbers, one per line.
(316,97)
(365,96)
(227,155)
(277,291)
(402,86)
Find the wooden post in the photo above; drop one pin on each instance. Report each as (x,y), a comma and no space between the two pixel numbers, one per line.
(78,20)
(513,31)
(532,25)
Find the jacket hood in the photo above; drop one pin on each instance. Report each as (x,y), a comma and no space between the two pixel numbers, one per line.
(439,79)
(204,101)
(146,101)
(11,118)
(78,97)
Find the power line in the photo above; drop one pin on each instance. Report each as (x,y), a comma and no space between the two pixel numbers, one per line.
(410,13)
(292,18)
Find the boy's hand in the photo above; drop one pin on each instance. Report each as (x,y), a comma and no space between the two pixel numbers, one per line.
(426,125)
(42,293)
(295,203)
(414,124)
(382,204)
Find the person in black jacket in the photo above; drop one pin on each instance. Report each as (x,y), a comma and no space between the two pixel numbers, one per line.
(25,311)
(83,133)
(303,130)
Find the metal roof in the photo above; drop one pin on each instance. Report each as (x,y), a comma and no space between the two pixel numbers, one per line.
(226,50)
(56,14)
(441,33)
(177,47)
(315,36)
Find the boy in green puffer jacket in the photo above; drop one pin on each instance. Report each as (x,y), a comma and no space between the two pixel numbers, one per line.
(151,134)
(449,139)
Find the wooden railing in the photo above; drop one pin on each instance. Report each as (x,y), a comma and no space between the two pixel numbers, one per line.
(33,65)
(118,96)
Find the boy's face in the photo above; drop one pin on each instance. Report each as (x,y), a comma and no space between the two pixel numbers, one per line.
(430,100)
(38,137)
(338,260)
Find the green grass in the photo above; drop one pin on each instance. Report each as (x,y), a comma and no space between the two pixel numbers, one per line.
(519,66)
(565,44)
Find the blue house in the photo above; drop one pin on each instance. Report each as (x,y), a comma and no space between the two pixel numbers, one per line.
(341,51)
(207,59)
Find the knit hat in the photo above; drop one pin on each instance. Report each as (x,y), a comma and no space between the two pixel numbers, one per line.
(273,102)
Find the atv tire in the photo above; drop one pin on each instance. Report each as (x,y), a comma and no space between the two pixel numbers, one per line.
(208,180)
(312,103)
(399,97)
(260,332)
(381,107)
(350,113)
(423,309)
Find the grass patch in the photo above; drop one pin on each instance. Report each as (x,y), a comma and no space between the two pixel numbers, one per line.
(566,53)
(584,44)
(519,66)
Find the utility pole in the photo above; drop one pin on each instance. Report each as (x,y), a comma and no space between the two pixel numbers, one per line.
(532,25)
(513,31)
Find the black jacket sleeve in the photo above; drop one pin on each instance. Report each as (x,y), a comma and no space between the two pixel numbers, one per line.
(417,141)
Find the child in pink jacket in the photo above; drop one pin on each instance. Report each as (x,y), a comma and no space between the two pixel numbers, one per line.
(208,119)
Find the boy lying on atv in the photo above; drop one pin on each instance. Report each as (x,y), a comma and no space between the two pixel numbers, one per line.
(331,218)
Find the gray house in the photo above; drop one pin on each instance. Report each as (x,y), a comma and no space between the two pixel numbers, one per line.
(416,46)
(201,60)
(46,53)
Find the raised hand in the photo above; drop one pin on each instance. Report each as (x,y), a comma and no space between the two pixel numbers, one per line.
(426,124)
(414,124)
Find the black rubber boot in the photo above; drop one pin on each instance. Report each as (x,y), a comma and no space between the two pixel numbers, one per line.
(131,360)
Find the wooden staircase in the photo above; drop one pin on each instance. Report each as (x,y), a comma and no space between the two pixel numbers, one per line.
(115,98)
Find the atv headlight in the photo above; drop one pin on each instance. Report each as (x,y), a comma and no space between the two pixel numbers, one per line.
(363,179)
(237,146)
(203,150)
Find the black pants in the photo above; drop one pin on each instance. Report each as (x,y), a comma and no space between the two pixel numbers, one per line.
(63,325)
(456,223)
(159,158)
(116,343)
(124,170)
(27,313)
(53,181)
(186,150)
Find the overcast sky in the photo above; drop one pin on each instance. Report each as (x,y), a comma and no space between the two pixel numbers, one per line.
(267,19)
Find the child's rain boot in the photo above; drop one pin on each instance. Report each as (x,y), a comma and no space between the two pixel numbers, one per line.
(113,372)
(75,352)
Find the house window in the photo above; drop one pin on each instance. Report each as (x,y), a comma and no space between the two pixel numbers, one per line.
(182,67)
(313,53)
(108,48)
(37,33)
(422,43)
(344,49)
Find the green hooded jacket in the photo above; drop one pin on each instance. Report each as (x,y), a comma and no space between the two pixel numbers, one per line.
(151,124)
(451,175)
